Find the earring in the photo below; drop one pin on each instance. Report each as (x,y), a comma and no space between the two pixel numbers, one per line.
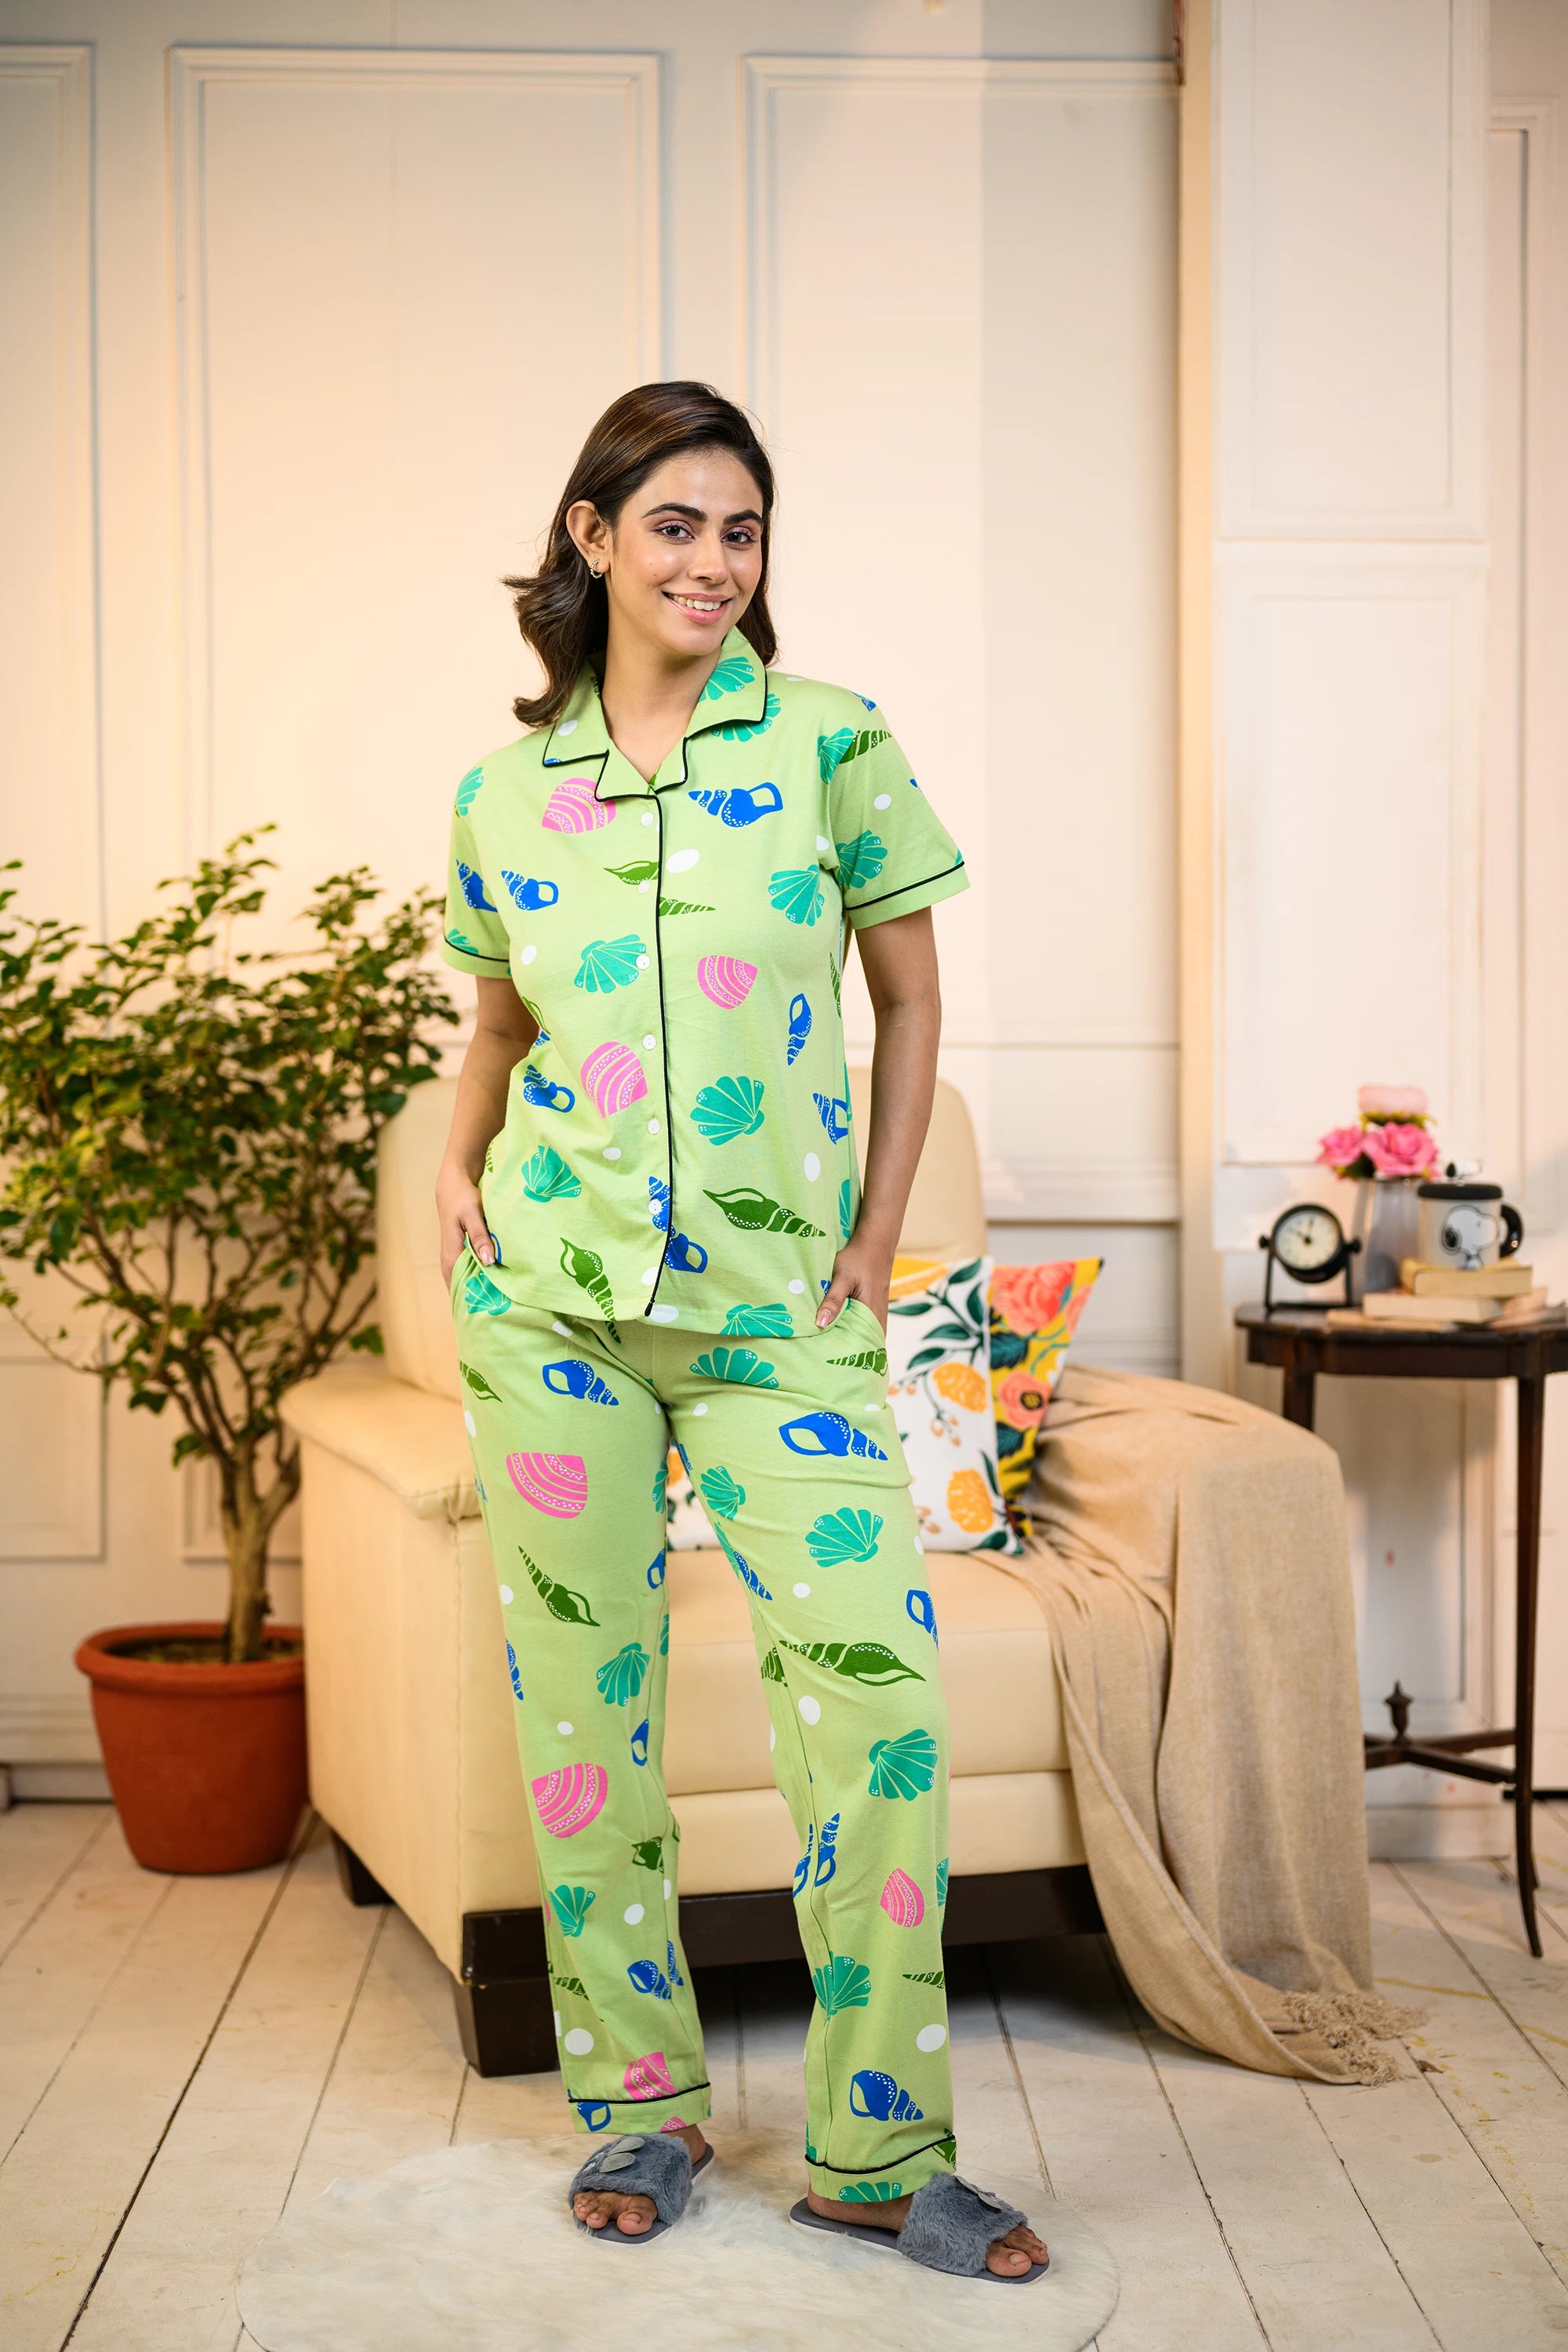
(594,570)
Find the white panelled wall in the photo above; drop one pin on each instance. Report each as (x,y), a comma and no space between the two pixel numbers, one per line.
(305,306)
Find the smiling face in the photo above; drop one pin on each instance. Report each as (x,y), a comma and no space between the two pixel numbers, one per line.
(683,559)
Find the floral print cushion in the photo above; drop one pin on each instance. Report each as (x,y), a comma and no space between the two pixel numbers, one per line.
(939,1386)
(1034,1311)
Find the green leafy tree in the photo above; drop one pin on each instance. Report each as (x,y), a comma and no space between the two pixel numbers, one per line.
(188,1137)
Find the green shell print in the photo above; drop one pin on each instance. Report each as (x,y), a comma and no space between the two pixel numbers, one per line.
(546,1177)
(796,891)
(480,1295)
(741,730)
(568,1608)
(904,1767)
(927,1976)
(467,791)
(858,1661)
(757,1322)
(860,860)
(481,1386)
(728,1109)
(867,740)
(569,1984)
(682,906)
(641,870)
(869,1360)
(648,1854)
(844,1535)
(722,1492)
(842,1984)
(741,1365)
(586,1268)
(772,1666)
(606,964)
(621,1677)
(729,676)
(755,1213)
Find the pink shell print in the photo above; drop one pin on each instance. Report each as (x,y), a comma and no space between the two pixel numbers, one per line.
(725,979)
(614,1076)
(569,1799)
(571,808)
(553,1483)
(903,1900)
(675,2123)
(648,2078)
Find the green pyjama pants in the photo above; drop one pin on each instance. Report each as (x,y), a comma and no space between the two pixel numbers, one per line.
(793,1449)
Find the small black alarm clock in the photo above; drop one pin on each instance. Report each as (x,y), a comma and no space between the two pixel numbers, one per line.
(1309,1245)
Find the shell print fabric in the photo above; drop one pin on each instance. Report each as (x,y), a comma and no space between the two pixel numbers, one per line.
(685,985)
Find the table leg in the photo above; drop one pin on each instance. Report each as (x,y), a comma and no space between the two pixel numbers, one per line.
(1300,1391)
(1531,1417)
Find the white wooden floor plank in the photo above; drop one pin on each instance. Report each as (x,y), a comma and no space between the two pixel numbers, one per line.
(57,1970)
(40,1844)
(222,2174)
(395,2087)
(1315,2267)
(1476,1905)
(1505,2098)
(75,2168)
(1114,2152)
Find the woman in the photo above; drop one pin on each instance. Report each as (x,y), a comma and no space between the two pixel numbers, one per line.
(655,1231)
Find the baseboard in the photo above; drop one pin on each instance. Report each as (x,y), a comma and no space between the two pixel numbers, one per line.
(1438,1833)
(57,1784)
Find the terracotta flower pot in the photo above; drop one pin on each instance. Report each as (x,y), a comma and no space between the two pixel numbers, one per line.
(206,1764)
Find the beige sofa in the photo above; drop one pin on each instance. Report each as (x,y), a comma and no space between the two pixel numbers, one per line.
(413,1758)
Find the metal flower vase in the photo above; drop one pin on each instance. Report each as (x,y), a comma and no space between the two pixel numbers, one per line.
(1386,1224)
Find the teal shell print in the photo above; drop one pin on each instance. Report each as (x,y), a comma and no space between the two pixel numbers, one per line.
(728,1109)
(621,1677)
(796,891)
(467,791)
(743,1366)
(846,1223)
(481,1386)
(546,1176)
(858,1661)
(610,964)
(461,939)
(571,1905)
(722,1492)
(480,1295)
(904,1767)
(830,750)
(941,1883)
(728,677)
(741,730)
(860,860)
(753,1213)
(842,1984)
(743,1569)
(757,1322)
(870,2192)
(844,1535)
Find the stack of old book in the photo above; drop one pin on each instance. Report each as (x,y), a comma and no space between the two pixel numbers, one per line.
(1440,1297)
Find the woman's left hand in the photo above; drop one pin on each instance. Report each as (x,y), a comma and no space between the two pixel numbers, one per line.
(861,1270)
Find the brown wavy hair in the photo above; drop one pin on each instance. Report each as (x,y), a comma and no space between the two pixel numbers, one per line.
(561,610)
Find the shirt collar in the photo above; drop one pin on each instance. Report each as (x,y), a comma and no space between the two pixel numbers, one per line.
(580,734)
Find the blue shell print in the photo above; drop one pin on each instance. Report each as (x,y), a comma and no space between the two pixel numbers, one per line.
(799,1027)
(473,888)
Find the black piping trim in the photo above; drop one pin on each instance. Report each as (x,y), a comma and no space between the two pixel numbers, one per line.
(682,2090)
(663,1057)
(860,905)
(858,2171)
(459,948)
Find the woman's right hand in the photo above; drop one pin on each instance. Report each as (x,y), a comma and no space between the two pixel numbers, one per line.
(461,1214)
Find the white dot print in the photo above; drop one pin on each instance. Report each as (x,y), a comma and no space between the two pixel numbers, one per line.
(470,1425)
(650,1274)
(810,1710)
(567,727)
(698,1411)
(642,888)
(579,2041)
(823,844)
(528,955)
(662,1314)
(801,1591)
(793,678)
(506,1596)
(682,862)
(632,1914)
(564,1329)
(883,800)
(566,1730)
(612,1151)
(812,1165)
(556,2013)
(668,1890)
(797,1287)
(930,2037)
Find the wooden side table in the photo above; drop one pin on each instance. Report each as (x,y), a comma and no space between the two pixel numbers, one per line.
(1303,1345)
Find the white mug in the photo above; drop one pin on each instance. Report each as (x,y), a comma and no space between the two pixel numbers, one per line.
(1466,1226)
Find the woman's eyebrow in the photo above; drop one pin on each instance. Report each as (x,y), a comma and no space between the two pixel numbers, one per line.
(696,514)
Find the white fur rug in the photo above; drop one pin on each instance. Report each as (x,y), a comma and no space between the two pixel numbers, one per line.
(474,2248)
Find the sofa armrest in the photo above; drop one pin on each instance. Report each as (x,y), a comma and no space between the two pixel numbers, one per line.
(411,1441)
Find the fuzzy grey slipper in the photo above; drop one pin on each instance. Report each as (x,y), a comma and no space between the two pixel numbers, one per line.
(641,2163)
(949,2227)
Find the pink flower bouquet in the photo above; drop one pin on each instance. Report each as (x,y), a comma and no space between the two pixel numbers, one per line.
(1392,1137)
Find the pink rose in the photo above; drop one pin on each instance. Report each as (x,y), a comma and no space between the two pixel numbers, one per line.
(1397,1150)
(1022,1398)
(1340,1146)
(1028,1298)
(1391,1102)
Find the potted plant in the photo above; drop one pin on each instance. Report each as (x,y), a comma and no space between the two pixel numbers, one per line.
(188,1133)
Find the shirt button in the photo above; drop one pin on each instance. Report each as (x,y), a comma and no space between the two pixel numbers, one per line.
(648,1043)
(653,1126)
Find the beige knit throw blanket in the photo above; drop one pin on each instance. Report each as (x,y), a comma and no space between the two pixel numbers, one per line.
(1190,1557)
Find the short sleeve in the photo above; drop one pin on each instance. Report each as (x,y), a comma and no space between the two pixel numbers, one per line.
(894,853)
(473,936)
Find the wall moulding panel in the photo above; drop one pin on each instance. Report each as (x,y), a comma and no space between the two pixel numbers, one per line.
(374,251)
(1350,828)
(1352,221)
